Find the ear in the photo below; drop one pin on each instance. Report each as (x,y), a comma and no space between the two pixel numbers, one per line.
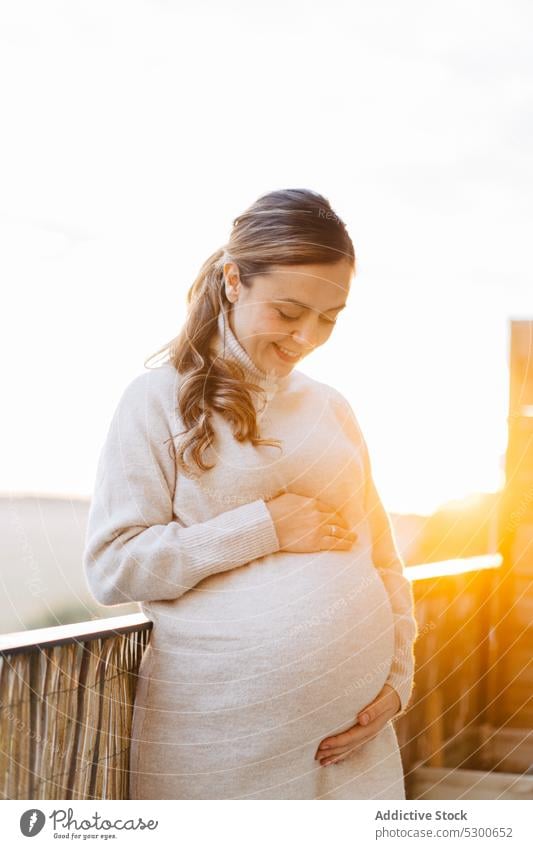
(232,281)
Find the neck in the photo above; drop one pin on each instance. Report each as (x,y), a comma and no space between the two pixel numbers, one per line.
(227,346)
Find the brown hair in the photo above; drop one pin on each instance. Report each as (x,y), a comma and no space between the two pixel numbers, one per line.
(285,227)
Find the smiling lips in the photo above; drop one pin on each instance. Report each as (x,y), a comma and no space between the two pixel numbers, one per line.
(286,353)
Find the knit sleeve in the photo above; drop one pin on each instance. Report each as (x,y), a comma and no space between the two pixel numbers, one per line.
(135,548)
(390,566)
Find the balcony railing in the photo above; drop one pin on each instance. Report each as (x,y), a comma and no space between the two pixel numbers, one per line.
(67,693)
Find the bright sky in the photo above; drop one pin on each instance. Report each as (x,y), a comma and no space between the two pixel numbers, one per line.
(133,134)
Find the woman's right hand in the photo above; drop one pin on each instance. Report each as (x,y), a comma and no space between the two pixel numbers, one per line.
(304,524)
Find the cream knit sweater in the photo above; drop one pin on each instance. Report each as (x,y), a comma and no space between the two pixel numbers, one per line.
(316,634)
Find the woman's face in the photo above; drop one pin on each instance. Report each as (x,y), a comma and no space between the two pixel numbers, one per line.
(288,309)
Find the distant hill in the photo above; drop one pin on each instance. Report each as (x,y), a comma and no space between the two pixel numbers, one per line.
(462,528)
(41,576)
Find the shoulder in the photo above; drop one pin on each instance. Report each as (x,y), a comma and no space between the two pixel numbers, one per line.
(154,379)
(302,382)
(341,409)
(152,392)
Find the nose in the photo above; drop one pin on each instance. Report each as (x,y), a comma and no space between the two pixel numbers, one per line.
(306,335)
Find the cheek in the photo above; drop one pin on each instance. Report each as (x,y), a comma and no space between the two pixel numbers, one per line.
(271,328)
(324,333)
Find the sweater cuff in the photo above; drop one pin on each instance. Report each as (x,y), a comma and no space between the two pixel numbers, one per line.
(404,688)
(243,534)
(258,535)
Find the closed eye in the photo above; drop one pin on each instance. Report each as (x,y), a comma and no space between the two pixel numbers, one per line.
(293,318)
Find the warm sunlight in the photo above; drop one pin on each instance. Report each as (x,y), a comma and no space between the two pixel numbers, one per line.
(211,593)
(99,257)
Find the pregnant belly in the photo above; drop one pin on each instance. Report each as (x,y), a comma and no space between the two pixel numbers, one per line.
(287,648)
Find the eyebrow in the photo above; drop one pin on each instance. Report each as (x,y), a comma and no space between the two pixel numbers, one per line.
(300,304)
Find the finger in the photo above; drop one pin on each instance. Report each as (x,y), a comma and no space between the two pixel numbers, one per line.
(340,533)
(354,733)
(342,739)
(331,515)
(333,760)
(325,508)
(341,755)
(335,543)
(344,751)
(339,750)
(336,748)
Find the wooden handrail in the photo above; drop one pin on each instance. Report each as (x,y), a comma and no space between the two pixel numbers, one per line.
(455,566)
(60,635)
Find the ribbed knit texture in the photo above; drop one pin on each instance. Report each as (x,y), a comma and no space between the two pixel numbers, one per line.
(178,545)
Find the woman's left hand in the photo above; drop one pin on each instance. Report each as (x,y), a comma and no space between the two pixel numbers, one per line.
(386,705)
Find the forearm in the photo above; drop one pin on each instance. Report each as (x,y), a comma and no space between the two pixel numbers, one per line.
(164,561)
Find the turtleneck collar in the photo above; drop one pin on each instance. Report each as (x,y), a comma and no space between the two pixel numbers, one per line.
(227,345)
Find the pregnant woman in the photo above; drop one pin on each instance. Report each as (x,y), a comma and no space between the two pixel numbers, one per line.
(234,500)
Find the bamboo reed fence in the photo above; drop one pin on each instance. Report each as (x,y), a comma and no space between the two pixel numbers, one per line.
(66,701)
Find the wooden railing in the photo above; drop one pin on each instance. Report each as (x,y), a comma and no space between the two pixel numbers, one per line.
(66,701)
(457,658)
(67,693)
